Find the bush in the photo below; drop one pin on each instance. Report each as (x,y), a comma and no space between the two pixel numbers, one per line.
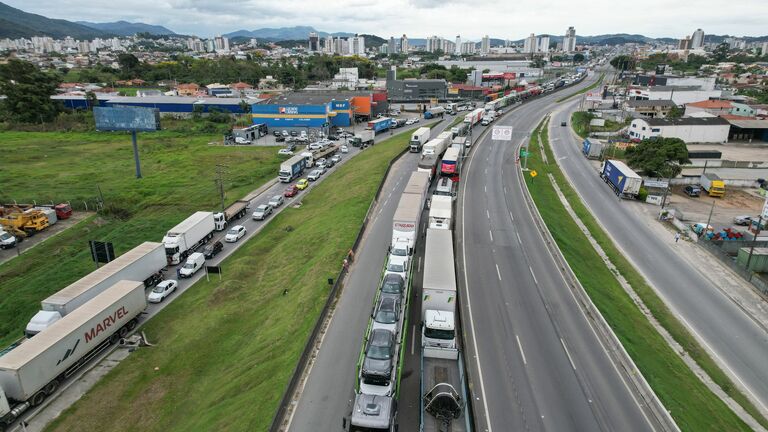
(642,194)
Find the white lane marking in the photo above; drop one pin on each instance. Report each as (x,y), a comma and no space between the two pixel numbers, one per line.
(491,234)
(568,353)
(487,213)
(413,339)
(518,238)
(469,308)
(534,276)
(485,188)
(511,217)
(498,273)
(520,346)
(419,267)
(505,190)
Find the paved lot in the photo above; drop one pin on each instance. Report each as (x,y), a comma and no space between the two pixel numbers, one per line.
(29,242)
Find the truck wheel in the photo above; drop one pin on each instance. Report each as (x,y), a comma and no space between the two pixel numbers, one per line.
(38,398)
(114,338)
(51,387)
(123,331)
(131,325)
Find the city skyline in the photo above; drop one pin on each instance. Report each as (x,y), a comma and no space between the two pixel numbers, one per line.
(423,19)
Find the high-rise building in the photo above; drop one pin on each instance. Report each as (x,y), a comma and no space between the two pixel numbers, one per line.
(485,45)
(569,41)
(314,42)
(458,45)
(221,44)
(697,40)
(434,43)
(529,45)
(447,46)
(384,48)
(328,48)
(685,43)
(357,45)
(404,47)
(468,47)
(392,49)
(764,48)
(543,44)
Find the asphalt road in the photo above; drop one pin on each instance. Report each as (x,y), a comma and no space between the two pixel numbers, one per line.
(535,362)
(40,416)
(328,393)
(737,342)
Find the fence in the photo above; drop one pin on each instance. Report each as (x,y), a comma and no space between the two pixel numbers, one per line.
(725,250)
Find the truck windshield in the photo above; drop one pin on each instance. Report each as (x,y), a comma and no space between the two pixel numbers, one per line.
(439,334)
(172,250)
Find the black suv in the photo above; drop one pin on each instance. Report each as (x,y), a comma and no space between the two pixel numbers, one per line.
(211,250)
(692,191)
(379,357)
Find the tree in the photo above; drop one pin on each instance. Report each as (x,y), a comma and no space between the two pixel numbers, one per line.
(91,99)
(623,62)
(675,112)
(660,157)
(28,92)
(129,64)
(720,53)
(578,58)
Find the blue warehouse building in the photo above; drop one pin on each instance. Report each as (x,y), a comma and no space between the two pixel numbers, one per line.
(306,110)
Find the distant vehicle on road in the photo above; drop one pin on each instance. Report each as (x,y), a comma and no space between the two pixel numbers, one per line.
(162,290)
(291,191)
(692,191)
(194,263)
(302,184)
(262,212)
(336,159)
(235,233)
(563,124)
(314,175)
(276,201)
(344,149)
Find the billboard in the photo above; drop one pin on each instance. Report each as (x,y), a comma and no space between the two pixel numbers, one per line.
(124,118)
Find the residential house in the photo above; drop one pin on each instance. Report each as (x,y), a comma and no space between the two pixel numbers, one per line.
(714,107)
(190,89)
(649,108)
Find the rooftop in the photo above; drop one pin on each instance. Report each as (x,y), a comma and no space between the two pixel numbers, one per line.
(316,97)
(650,103)
(674,88)
(750,123)
(687,121)
(711,104)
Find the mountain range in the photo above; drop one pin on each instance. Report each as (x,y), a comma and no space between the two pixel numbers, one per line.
(124,28)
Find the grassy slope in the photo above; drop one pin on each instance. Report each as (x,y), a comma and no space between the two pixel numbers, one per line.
(580,123)
(691,404)
(178,173)
(584,90)
(226,350)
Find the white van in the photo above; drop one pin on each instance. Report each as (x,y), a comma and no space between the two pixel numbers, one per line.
(195,262)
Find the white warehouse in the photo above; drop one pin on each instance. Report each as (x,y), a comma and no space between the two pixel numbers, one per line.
(688,129)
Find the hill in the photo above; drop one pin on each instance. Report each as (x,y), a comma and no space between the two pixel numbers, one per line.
(15,23)
(124,28)
(284,33)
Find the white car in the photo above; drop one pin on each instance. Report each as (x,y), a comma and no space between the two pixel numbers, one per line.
(284,152)
(234,234)
(276,201)
(411,121)
(162,290)
(397,265)
(336,159)
(742,220)
(314,146)
(344,149)
(314,175)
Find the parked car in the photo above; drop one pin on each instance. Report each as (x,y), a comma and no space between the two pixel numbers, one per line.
(162,290)
(279,138)
(336,159)
(211,250)
(234,234)
(276,201)
(692,191)
(294,133)
(344,149)
(742,220)
(563,124)
(314,175)
(411,121)
(290,191)
(285,133)
(276,133)
(284,152)
(262,211)
(302,184)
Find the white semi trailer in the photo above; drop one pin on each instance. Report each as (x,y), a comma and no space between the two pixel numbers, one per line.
(143,263)
(34,370)
(186,237)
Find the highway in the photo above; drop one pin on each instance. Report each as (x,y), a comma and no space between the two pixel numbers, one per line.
(535,362)
(737,342)
(69,393)
(328,393)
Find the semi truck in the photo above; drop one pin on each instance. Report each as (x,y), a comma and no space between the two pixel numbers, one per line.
(144,263)
(625,182)
(460,129)
(186,237)
(460,142)
(713,184)
(405,223)
(379,125)
(363,139)
(418,184)
(419,138)
(235,211)
(428,164)
(474,117)
(592,148)
(451,163)
(436,146)
(292,168)
(37,367)
(439,296)
(441,212)
(433,112)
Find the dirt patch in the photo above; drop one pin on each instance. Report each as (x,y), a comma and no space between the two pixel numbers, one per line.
(736,202)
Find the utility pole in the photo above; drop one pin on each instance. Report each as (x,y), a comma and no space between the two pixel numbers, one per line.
(709,219)
(754,239)
(220,171)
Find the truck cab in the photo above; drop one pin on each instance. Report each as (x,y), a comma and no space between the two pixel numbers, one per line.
(41,321)
(439,329)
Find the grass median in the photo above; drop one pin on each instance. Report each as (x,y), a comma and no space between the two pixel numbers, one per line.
(584,90)
(225,351)
(693,406)
(178,179)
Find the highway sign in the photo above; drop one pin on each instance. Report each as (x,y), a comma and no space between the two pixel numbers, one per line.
(502,133)
(534,173)
(524,153)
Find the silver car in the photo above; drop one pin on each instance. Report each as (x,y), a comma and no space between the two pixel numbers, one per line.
(276,201)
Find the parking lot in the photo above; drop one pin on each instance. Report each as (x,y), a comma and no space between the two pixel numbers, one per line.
(59,226)
(737,202)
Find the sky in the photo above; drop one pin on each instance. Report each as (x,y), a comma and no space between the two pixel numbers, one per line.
(422,18)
